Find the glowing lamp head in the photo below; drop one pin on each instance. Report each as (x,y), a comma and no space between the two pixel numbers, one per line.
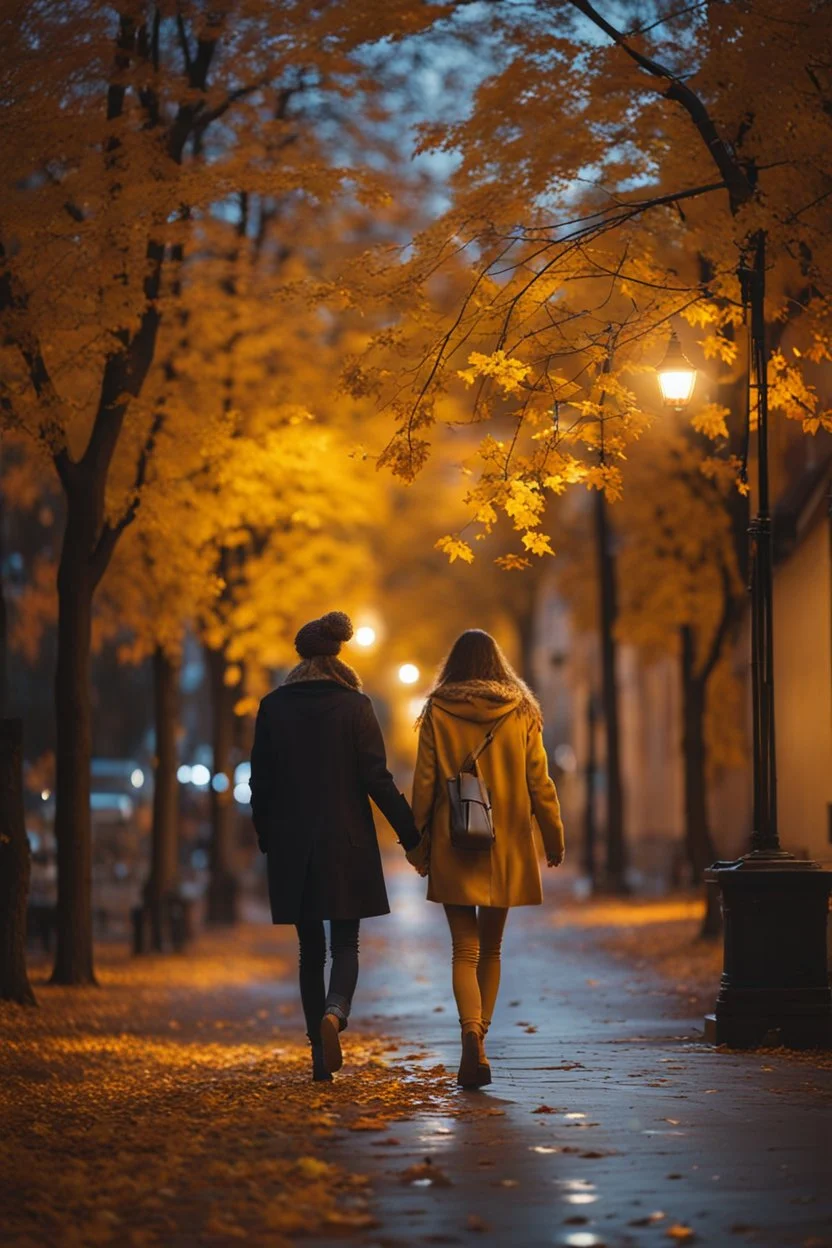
(677,376)
(408,673)
(365,636)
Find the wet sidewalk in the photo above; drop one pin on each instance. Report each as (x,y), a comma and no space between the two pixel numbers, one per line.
(172,1106)
(610,1122)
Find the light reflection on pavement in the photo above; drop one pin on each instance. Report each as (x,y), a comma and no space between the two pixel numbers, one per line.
(610,1114)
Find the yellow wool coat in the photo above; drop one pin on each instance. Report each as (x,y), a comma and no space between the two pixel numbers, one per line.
(515,769)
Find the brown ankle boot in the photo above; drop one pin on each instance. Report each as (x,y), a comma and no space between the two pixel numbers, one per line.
(468,1076)
(483,1065)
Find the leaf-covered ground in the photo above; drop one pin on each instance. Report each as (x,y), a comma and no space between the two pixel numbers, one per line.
(660,935)
(173,1105)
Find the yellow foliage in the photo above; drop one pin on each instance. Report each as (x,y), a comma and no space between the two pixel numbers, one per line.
(710,419)
(455,548)
(537,543)
(508,372)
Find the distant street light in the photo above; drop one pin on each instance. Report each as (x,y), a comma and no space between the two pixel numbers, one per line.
(183,774)
(365,636)
(137,777)
(408,673)
(200,775)
(677,376)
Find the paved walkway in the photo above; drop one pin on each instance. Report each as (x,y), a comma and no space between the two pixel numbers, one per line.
(172,1107)
(612,1123)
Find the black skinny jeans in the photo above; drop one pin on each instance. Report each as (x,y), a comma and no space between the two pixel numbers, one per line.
(343,938)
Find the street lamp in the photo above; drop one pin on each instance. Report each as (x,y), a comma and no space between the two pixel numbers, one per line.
(408,673)
(774,988)
(365,636)
(677,376)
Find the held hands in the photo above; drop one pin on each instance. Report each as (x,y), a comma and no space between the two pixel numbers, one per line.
(554,860)
(419,856)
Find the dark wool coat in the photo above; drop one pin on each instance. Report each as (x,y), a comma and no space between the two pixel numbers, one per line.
(318,757)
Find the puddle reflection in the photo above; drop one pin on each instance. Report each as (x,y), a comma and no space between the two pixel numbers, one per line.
(577,1191)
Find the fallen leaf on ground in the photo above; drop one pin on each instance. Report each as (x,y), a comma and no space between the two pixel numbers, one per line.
(349,1220)
(681,1234)
(475,1223)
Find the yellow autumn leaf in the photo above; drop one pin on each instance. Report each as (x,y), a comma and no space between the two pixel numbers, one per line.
(710,419)
(455,548)
(537,543)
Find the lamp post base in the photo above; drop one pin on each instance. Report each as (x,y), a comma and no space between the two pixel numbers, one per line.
(775,983)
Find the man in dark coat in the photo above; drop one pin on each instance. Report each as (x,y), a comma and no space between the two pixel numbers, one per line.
(318,758)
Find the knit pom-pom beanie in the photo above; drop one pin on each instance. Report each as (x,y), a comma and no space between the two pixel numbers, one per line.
(323,636)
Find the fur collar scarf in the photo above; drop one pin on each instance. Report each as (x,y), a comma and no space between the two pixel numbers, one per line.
(491,691)
(324,667)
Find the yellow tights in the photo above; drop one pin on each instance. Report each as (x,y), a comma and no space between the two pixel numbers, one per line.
(476,935)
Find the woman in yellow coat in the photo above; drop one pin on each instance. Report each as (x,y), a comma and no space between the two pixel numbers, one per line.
(477,692)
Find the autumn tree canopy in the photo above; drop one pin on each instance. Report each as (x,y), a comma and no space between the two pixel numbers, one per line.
(609,182)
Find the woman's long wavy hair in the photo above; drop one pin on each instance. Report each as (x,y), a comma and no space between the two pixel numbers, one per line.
(475,655)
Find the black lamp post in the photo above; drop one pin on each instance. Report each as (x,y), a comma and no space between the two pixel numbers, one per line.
(775,987)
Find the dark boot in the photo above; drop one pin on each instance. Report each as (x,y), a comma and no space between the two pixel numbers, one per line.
(468,1076)
(320,1074)
(331,1026)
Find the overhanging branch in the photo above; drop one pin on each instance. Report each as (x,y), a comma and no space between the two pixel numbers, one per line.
(740,189)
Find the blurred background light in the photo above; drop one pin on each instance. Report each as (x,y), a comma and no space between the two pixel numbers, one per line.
(565,758)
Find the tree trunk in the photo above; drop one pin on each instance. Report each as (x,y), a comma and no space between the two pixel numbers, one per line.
(4,622)
(222,885)
(526,619)
(14,868)
(590,828)
(73,750)
(699,845)
(161,885)
(616,855)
